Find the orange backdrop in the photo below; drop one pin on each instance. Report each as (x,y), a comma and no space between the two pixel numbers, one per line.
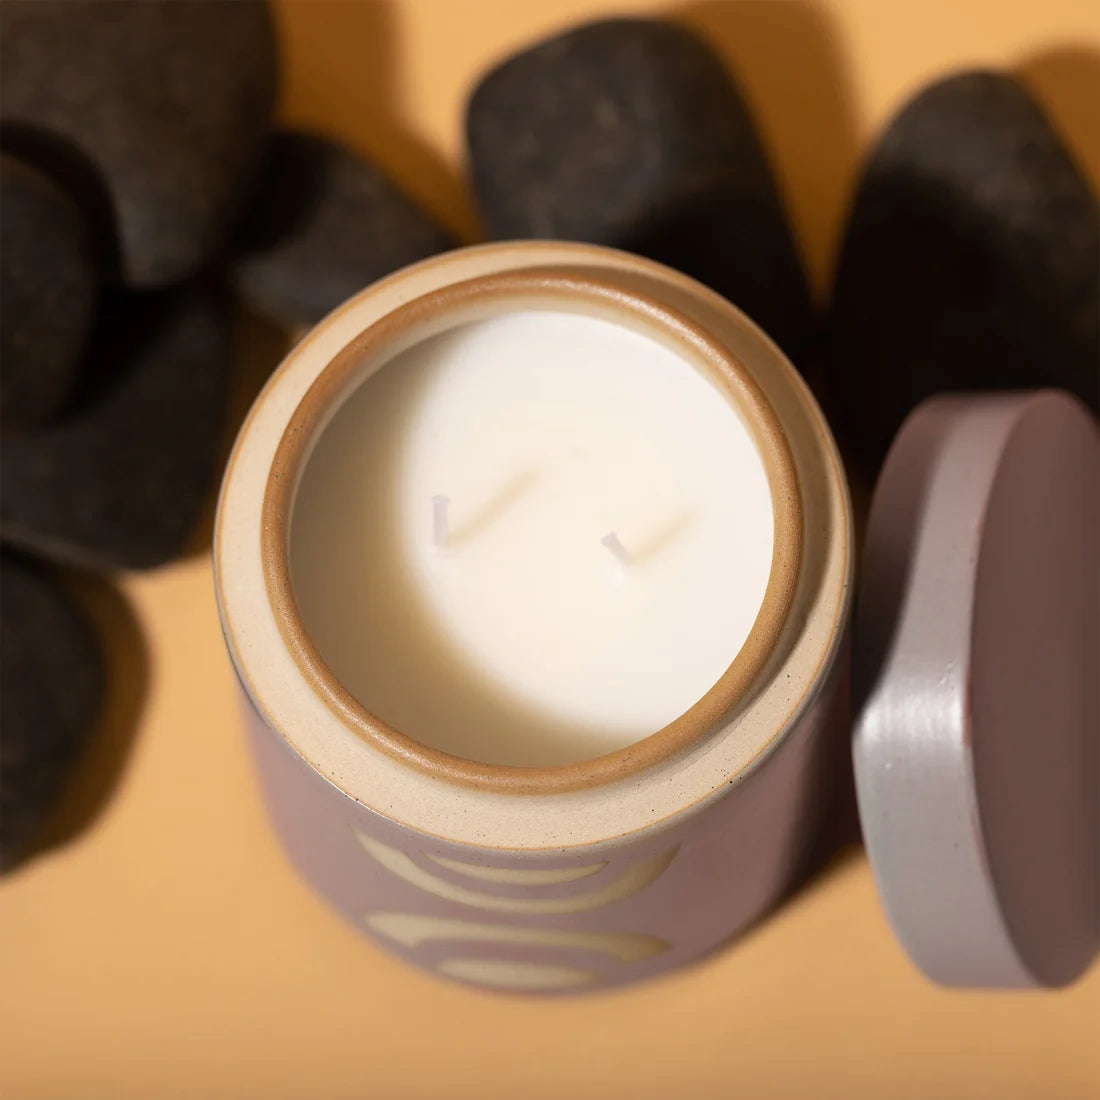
(167,950)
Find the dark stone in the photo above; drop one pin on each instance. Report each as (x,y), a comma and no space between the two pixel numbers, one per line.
(121,479)
(323,225)
(630,133)
(161,106)
(48,289)
(51,689)
(971,261)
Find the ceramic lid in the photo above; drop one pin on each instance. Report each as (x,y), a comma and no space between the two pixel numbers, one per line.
(976,686)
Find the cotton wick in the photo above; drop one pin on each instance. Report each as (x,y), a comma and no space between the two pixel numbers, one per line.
(440,503)
(618,551)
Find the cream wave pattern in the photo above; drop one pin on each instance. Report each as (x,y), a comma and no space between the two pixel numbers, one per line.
(416,929)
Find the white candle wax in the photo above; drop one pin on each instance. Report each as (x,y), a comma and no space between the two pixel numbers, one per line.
(522,636)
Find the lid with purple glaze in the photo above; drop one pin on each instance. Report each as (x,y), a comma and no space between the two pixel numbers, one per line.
(976,688)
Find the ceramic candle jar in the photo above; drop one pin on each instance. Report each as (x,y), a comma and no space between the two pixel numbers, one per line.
(534,564)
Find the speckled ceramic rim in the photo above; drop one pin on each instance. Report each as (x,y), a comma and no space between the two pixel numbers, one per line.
(576,290)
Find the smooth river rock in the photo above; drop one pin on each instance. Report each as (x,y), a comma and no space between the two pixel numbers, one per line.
(48,289)
(323,224)
(631,133)
(156,111)
(52,679)
(121,480)
(971,261)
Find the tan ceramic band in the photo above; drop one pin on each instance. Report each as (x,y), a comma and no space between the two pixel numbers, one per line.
(576,290)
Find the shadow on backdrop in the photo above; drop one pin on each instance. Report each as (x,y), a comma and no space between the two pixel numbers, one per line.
(1066,81)
(340,70)
(791,67)
(788,60)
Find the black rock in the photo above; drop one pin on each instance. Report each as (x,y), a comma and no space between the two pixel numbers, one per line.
(630,133)
(971,261)
(122,478)
(48,288)
(51,689)
(323,225)
(155,110)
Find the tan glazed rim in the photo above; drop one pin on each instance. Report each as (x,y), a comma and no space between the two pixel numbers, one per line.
(578,290)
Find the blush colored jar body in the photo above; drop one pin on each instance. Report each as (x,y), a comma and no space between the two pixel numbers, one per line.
(546,879)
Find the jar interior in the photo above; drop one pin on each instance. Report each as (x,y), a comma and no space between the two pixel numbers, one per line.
(532,539)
